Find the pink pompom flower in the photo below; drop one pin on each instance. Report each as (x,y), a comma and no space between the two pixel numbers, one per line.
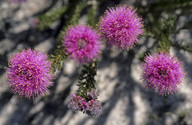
(162,72)
(121,26)
(82,43)
(29,73)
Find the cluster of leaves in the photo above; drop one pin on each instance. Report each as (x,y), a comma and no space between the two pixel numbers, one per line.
(167,26)
(182,45)
(162,34)
(92,15)
(58,57)
(47,19)
(86,79)
(161,22)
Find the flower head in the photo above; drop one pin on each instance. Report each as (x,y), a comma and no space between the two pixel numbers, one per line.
(29,73)
(93,108)
(121,26)
(82,43)
(162,72)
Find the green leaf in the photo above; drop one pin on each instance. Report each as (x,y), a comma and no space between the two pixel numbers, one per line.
(183,46)
(92,15)
(47,19)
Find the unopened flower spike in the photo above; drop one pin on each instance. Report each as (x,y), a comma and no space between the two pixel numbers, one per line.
(121,26)
(29,73)
(162,72)
(89,105)
(76,103)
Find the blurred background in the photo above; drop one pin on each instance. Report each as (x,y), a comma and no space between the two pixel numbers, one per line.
(37,24)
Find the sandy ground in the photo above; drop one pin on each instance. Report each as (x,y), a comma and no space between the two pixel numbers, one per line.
(124,99)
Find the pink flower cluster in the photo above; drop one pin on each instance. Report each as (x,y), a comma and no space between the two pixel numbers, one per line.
(82,43)
(162,72)
(29,73)
(121,27)
(91,107)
